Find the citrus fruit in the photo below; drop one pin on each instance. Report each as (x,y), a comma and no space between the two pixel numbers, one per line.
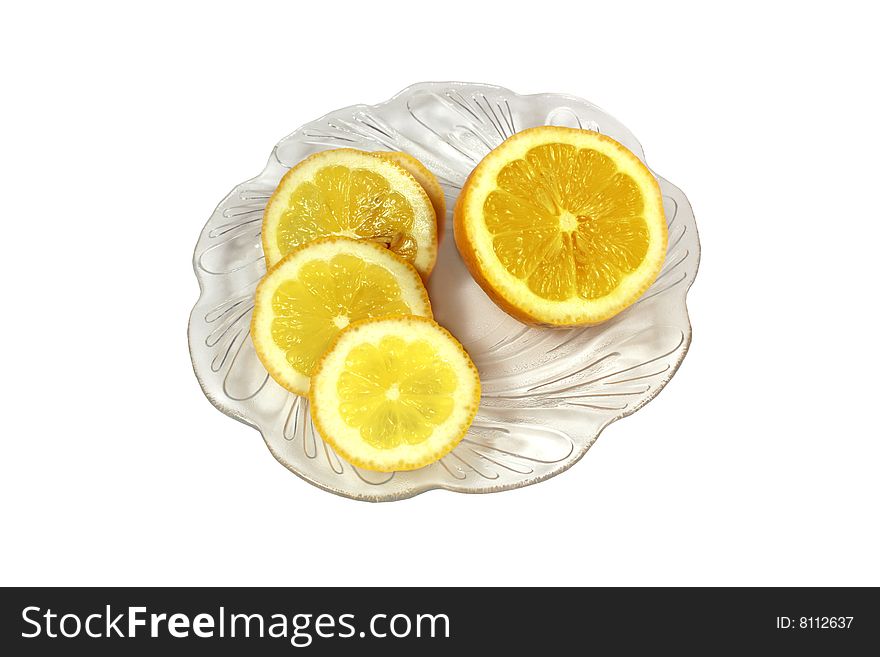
(427,180)
(316,291)
(561,226)
(353,194)
(394,393)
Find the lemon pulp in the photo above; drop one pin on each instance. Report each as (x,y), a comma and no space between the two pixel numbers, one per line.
(567,222)
(395,392)
(324,298)
(352,202)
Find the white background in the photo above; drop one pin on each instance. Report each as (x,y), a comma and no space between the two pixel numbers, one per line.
(122,129)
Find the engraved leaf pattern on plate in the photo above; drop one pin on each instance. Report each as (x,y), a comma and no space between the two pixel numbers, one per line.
(547,393)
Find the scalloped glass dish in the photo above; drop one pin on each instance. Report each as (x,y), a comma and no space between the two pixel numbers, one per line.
(547,393)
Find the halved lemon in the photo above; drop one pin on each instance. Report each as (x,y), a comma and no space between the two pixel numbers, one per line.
(427,180)
(561,226)
(317,290)
(395,393)
(353,194)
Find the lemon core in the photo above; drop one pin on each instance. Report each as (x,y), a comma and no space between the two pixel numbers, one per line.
(568,222)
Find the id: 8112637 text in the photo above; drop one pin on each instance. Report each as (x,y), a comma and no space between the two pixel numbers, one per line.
(814,622)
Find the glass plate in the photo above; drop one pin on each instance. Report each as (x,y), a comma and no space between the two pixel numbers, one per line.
(547,393)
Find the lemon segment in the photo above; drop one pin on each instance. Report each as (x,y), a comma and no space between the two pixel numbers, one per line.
(395,393)
(562,226)
(319,289)
(351,193)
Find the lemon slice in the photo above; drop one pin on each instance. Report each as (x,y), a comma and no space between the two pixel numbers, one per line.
(395,393)
(427,180)
(353,194)
(561,226)
(317,290)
